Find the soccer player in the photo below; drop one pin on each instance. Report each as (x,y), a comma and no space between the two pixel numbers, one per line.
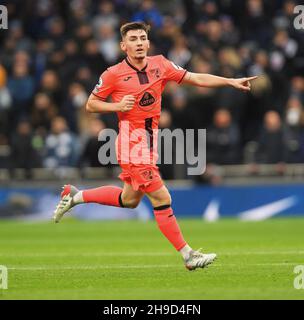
(135,85)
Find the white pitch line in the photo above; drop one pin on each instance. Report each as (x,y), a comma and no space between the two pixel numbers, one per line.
(140,266)
(93,254)
(94,267)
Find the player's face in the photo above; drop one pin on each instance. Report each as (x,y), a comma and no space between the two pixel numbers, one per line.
(136,44)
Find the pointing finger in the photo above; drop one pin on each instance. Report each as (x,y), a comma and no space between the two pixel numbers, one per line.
(251,78)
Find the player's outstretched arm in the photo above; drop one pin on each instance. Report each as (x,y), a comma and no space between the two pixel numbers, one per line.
(211,81)
(95,104)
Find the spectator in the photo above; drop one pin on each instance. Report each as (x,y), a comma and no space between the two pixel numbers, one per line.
(214,35)
(180,54)
(43,48)
(22,57)
(23,43)
(223,139)
(230,34)
(5,152)
(179,107)
(23,154)
(38,14)
(297,88)
(166,35)
(209,10)
(51,85)
(106,16)
(108,43)
(285,17)
(56,60)
(72,60)
(61,146)
(78,12)
(284,49)
(89,155)
(93,58)
(255,23)
(56,31)
(86,78)
(21,86)
(43,111)
(75,101)
(84,32)
(270,143)
(293,132)
(149,13)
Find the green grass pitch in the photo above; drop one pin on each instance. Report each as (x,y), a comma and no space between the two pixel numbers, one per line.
(132,260)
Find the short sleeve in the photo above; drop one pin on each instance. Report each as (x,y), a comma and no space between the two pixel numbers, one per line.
(173,71)
(105,85)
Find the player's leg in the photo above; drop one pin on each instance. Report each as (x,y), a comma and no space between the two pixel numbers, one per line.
(110,196)
(129,197)
(161,202)
(167,223)
(106,195)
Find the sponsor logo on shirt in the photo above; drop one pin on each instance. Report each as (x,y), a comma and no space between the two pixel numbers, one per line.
(147,99)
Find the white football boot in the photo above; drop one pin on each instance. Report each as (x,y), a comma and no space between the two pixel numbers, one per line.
(197,259)
(66,202)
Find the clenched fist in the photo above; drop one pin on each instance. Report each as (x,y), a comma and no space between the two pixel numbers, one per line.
(126,103)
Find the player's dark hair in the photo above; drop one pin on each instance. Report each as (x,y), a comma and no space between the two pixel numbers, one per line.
(133,26)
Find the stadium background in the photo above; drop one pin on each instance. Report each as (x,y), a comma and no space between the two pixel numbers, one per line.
(54,51)
(51,57)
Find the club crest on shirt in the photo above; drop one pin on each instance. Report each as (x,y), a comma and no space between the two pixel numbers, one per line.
(155,72)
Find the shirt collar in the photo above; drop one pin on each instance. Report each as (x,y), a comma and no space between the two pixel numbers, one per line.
(130,65)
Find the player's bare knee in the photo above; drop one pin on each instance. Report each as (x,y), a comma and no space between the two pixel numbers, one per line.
(160,197)
(161,201)
(131,203)
(166,200)
(130,198)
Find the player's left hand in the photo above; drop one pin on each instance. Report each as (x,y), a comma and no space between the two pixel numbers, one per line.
(242,83)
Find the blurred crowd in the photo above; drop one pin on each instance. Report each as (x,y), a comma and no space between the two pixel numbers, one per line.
(53,52)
